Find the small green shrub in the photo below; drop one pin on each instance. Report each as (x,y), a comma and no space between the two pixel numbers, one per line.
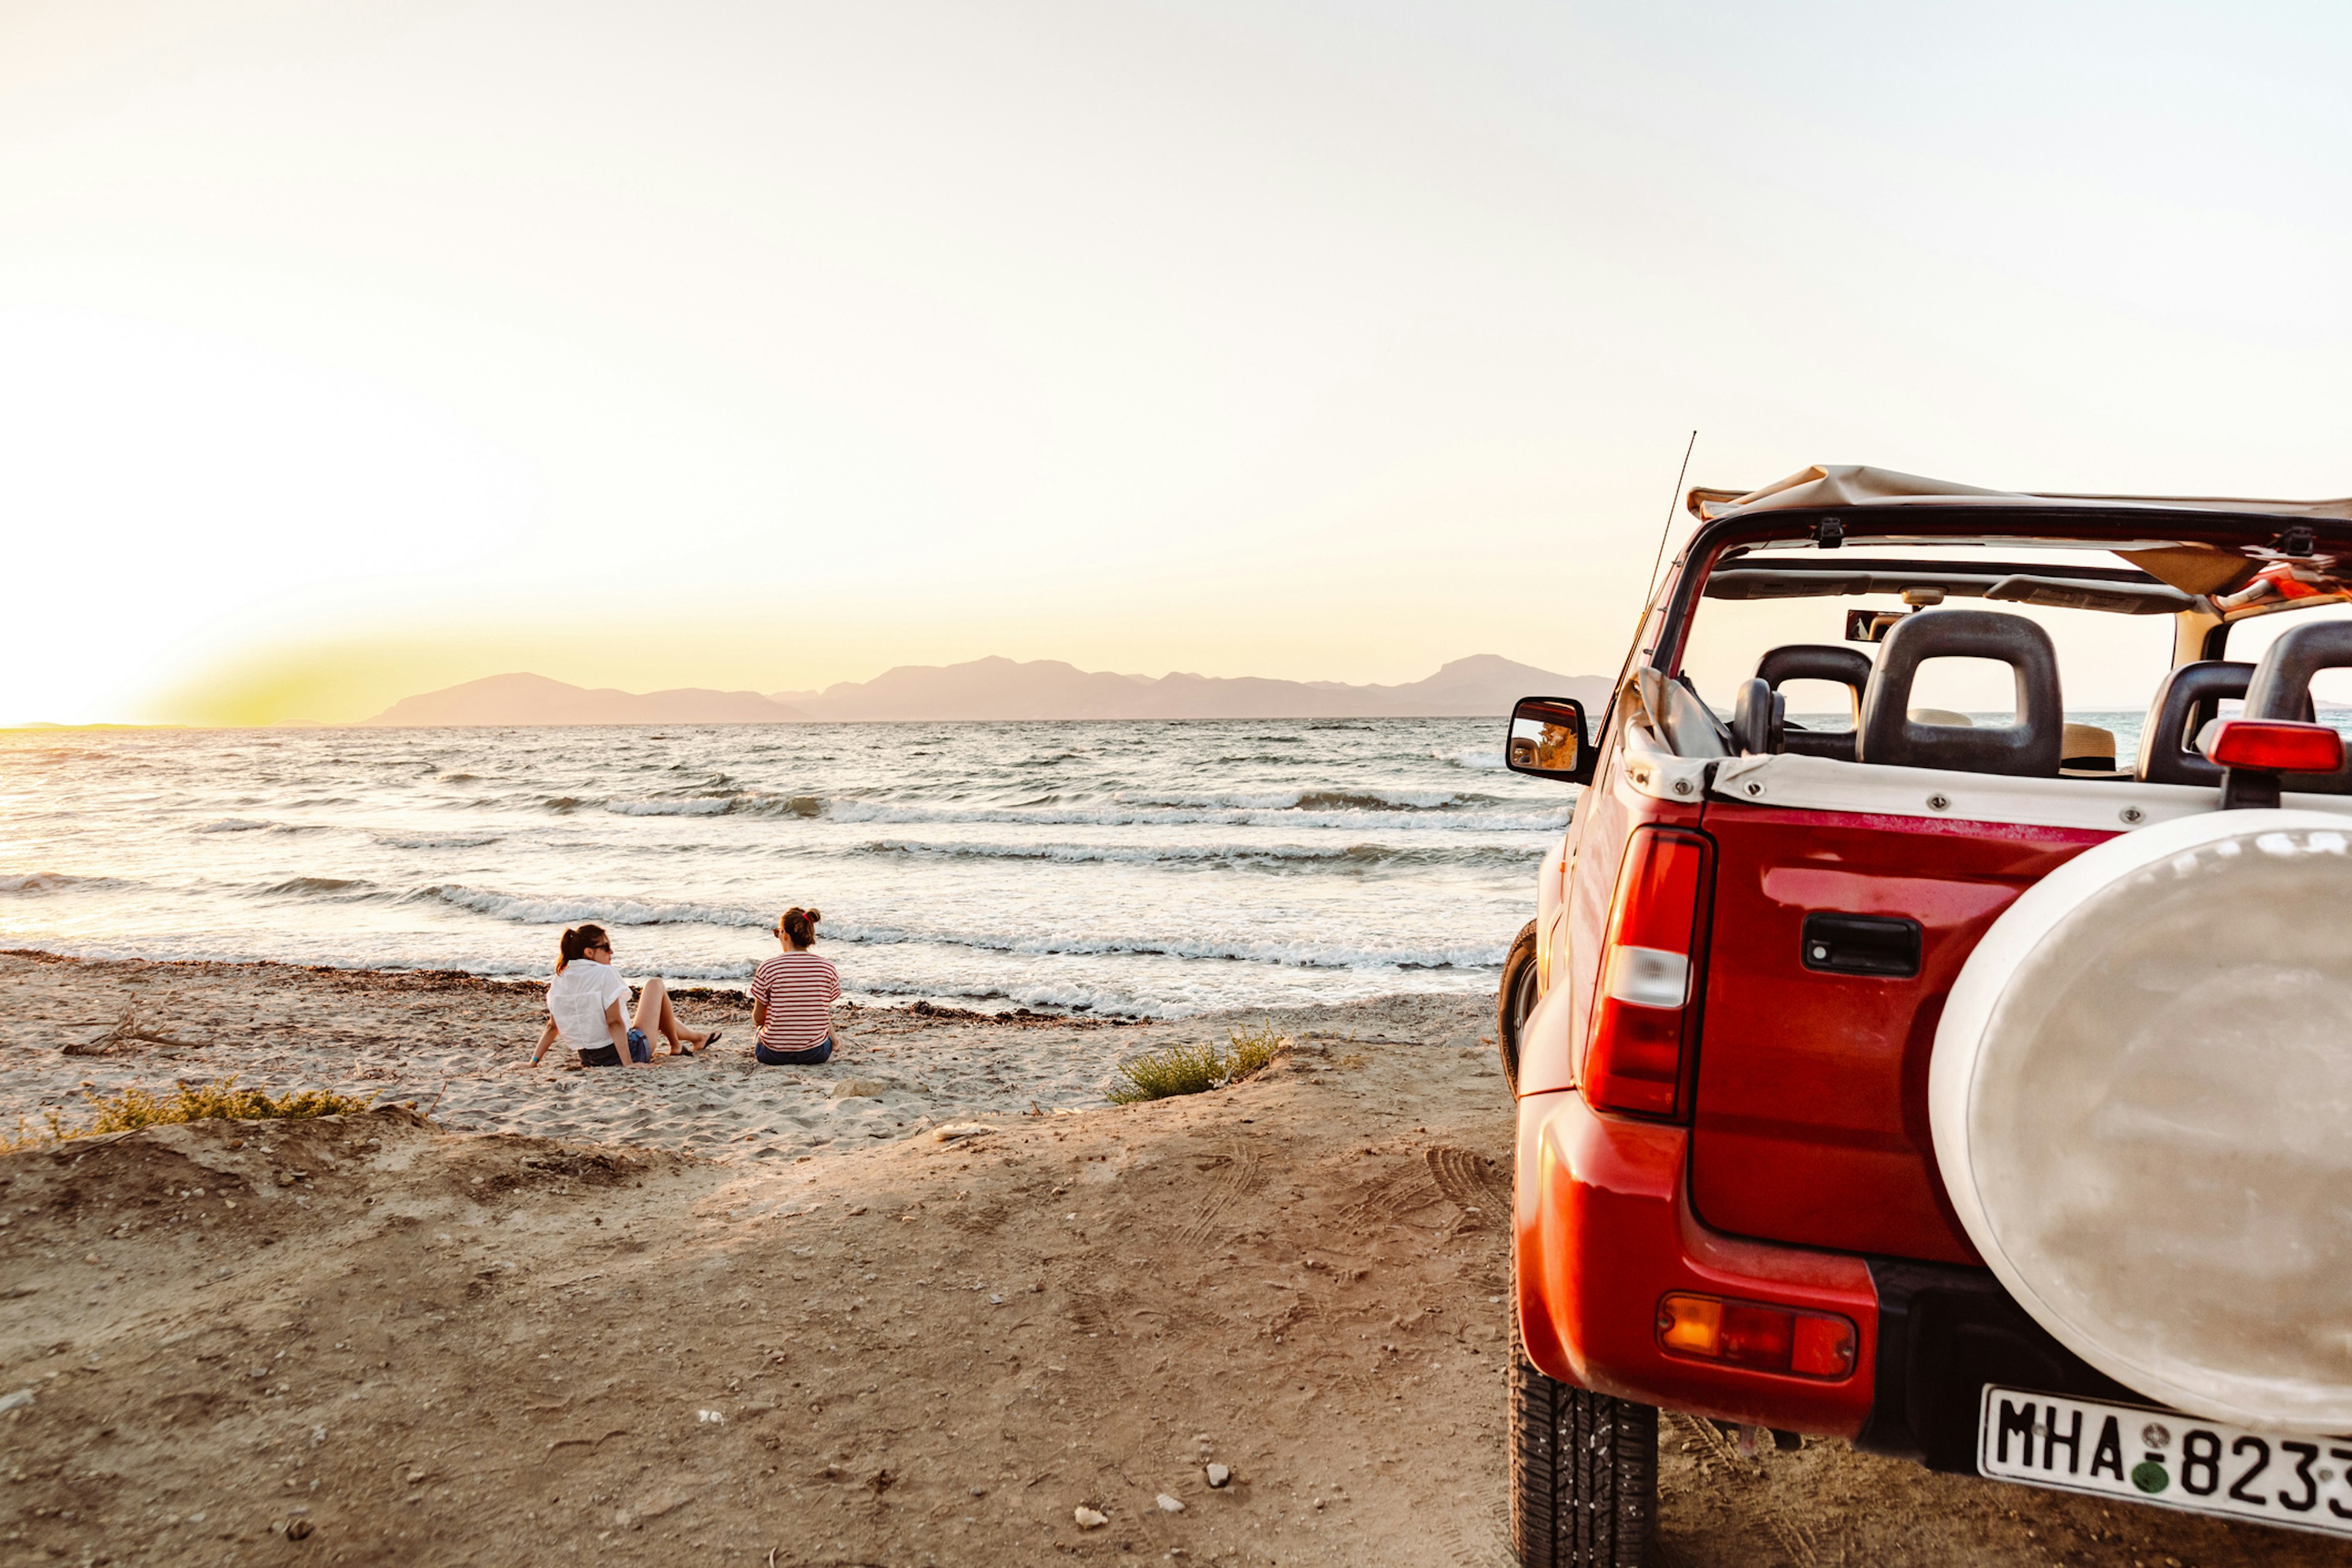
(1191,1069)
(135,1108)
(52,1132)
(215,1101)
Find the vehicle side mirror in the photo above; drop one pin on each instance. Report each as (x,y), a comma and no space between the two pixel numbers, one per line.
(1548,740)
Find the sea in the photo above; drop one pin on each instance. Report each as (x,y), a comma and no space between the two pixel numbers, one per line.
(1140,870)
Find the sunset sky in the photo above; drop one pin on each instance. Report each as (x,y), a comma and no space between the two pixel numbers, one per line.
(348,351)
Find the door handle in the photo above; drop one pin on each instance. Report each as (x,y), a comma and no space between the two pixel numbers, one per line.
(1880,946)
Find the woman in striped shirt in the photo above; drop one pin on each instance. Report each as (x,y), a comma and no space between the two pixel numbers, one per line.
(792,995)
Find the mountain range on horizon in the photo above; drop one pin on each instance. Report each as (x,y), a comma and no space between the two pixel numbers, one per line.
(1482,685)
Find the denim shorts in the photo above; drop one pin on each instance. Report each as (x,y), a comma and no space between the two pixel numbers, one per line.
(814,1056)
(640,1050)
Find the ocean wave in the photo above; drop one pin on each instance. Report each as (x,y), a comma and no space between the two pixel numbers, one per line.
(737,802)
(1550,821)
(1316,800)
(1295,808)
(38,882)
(1285,955)
(237,824)
(1210,854)
(339,890)
(1483,761)
(704,805)
(530,910)
(437,841)
(527,909)
(756,804)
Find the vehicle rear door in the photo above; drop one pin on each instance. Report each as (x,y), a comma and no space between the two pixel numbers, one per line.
(1811,1105)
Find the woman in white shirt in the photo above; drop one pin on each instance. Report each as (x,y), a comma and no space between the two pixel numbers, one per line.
(585,1002)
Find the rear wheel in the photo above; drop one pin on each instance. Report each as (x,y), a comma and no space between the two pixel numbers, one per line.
(1515,999)
(1584,1472)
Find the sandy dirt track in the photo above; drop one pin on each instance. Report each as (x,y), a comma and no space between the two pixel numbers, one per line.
(416,1345)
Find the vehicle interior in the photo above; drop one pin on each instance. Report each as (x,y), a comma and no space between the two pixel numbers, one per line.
(2027,658)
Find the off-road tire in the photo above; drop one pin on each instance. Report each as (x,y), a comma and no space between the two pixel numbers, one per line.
(1514,998)
(1584,1472)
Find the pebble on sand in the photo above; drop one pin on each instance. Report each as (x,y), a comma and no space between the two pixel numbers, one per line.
(1088,1519)
(1171,1505)
(1219,1475)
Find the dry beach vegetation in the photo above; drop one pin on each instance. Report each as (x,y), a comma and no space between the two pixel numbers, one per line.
(385,1338)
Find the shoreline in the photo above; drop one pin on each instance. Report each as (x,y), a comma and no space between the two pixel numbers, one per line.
(719,991)
(458,1046)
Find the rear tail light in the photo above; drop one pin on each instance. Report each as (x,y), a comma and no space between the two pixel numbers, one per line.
(1758,1337)
(1642,1021)
(2274,745)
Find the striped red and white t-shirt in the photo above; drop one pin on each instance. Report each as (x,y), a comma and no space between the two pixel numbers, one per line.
(798,989)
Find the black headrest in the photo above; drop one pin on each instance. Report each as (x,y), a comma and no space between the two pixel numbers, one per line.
(1757,716)
(2281,688)
(2029,748)
(2185,701)
(1814,661)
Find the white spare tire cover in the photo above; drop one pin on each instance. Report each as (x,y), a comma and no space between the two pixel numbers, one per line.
(2141,1097)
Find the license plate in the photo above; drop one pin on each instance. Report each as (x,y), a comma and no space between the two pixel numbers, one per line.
(2164,1457)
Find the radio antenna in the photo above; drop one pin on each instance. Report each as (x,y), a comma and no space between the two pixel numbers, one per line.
(1643,615)
(1666,533)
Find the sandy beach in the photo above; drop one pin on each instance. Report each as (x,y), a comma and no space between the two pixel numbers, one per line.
(385,1339)
(458,1047)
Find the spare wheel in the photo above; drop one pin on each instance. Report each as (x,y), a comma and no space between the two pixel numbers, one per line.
(2141,1097)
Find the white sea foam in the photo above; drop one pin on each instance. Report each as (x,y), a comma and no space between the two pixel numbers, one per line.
(528,910)
(1239,854)
(1313,800)
(436,840)
(698,805)
(1550,821)
(1291,954)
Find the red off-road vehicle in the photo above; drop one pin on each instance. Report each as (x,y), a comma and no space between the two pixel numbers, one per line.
(1964,1084)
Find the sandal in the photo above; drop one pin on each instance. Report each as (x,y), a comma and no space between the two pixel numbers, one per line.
(709,1040)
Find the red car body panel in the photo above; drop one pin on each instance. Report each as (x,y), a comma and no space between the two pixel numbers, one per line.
(1811,1109)
(1602,1213)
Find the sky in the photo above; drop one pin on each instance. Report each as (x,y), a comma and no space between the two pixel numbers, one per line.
(351,351)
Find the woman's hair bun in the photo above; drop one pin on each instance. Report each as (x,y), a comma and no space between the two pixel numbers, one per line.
(815,917)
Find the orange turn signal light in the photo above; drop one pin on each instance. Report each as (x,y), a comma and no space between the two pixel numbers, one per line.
(1755,1335)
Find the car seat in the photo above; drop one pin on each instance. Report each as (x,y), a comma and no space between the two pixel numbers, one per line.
(2186,701)
(2281,688)
(2029,748)
(1760,716)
